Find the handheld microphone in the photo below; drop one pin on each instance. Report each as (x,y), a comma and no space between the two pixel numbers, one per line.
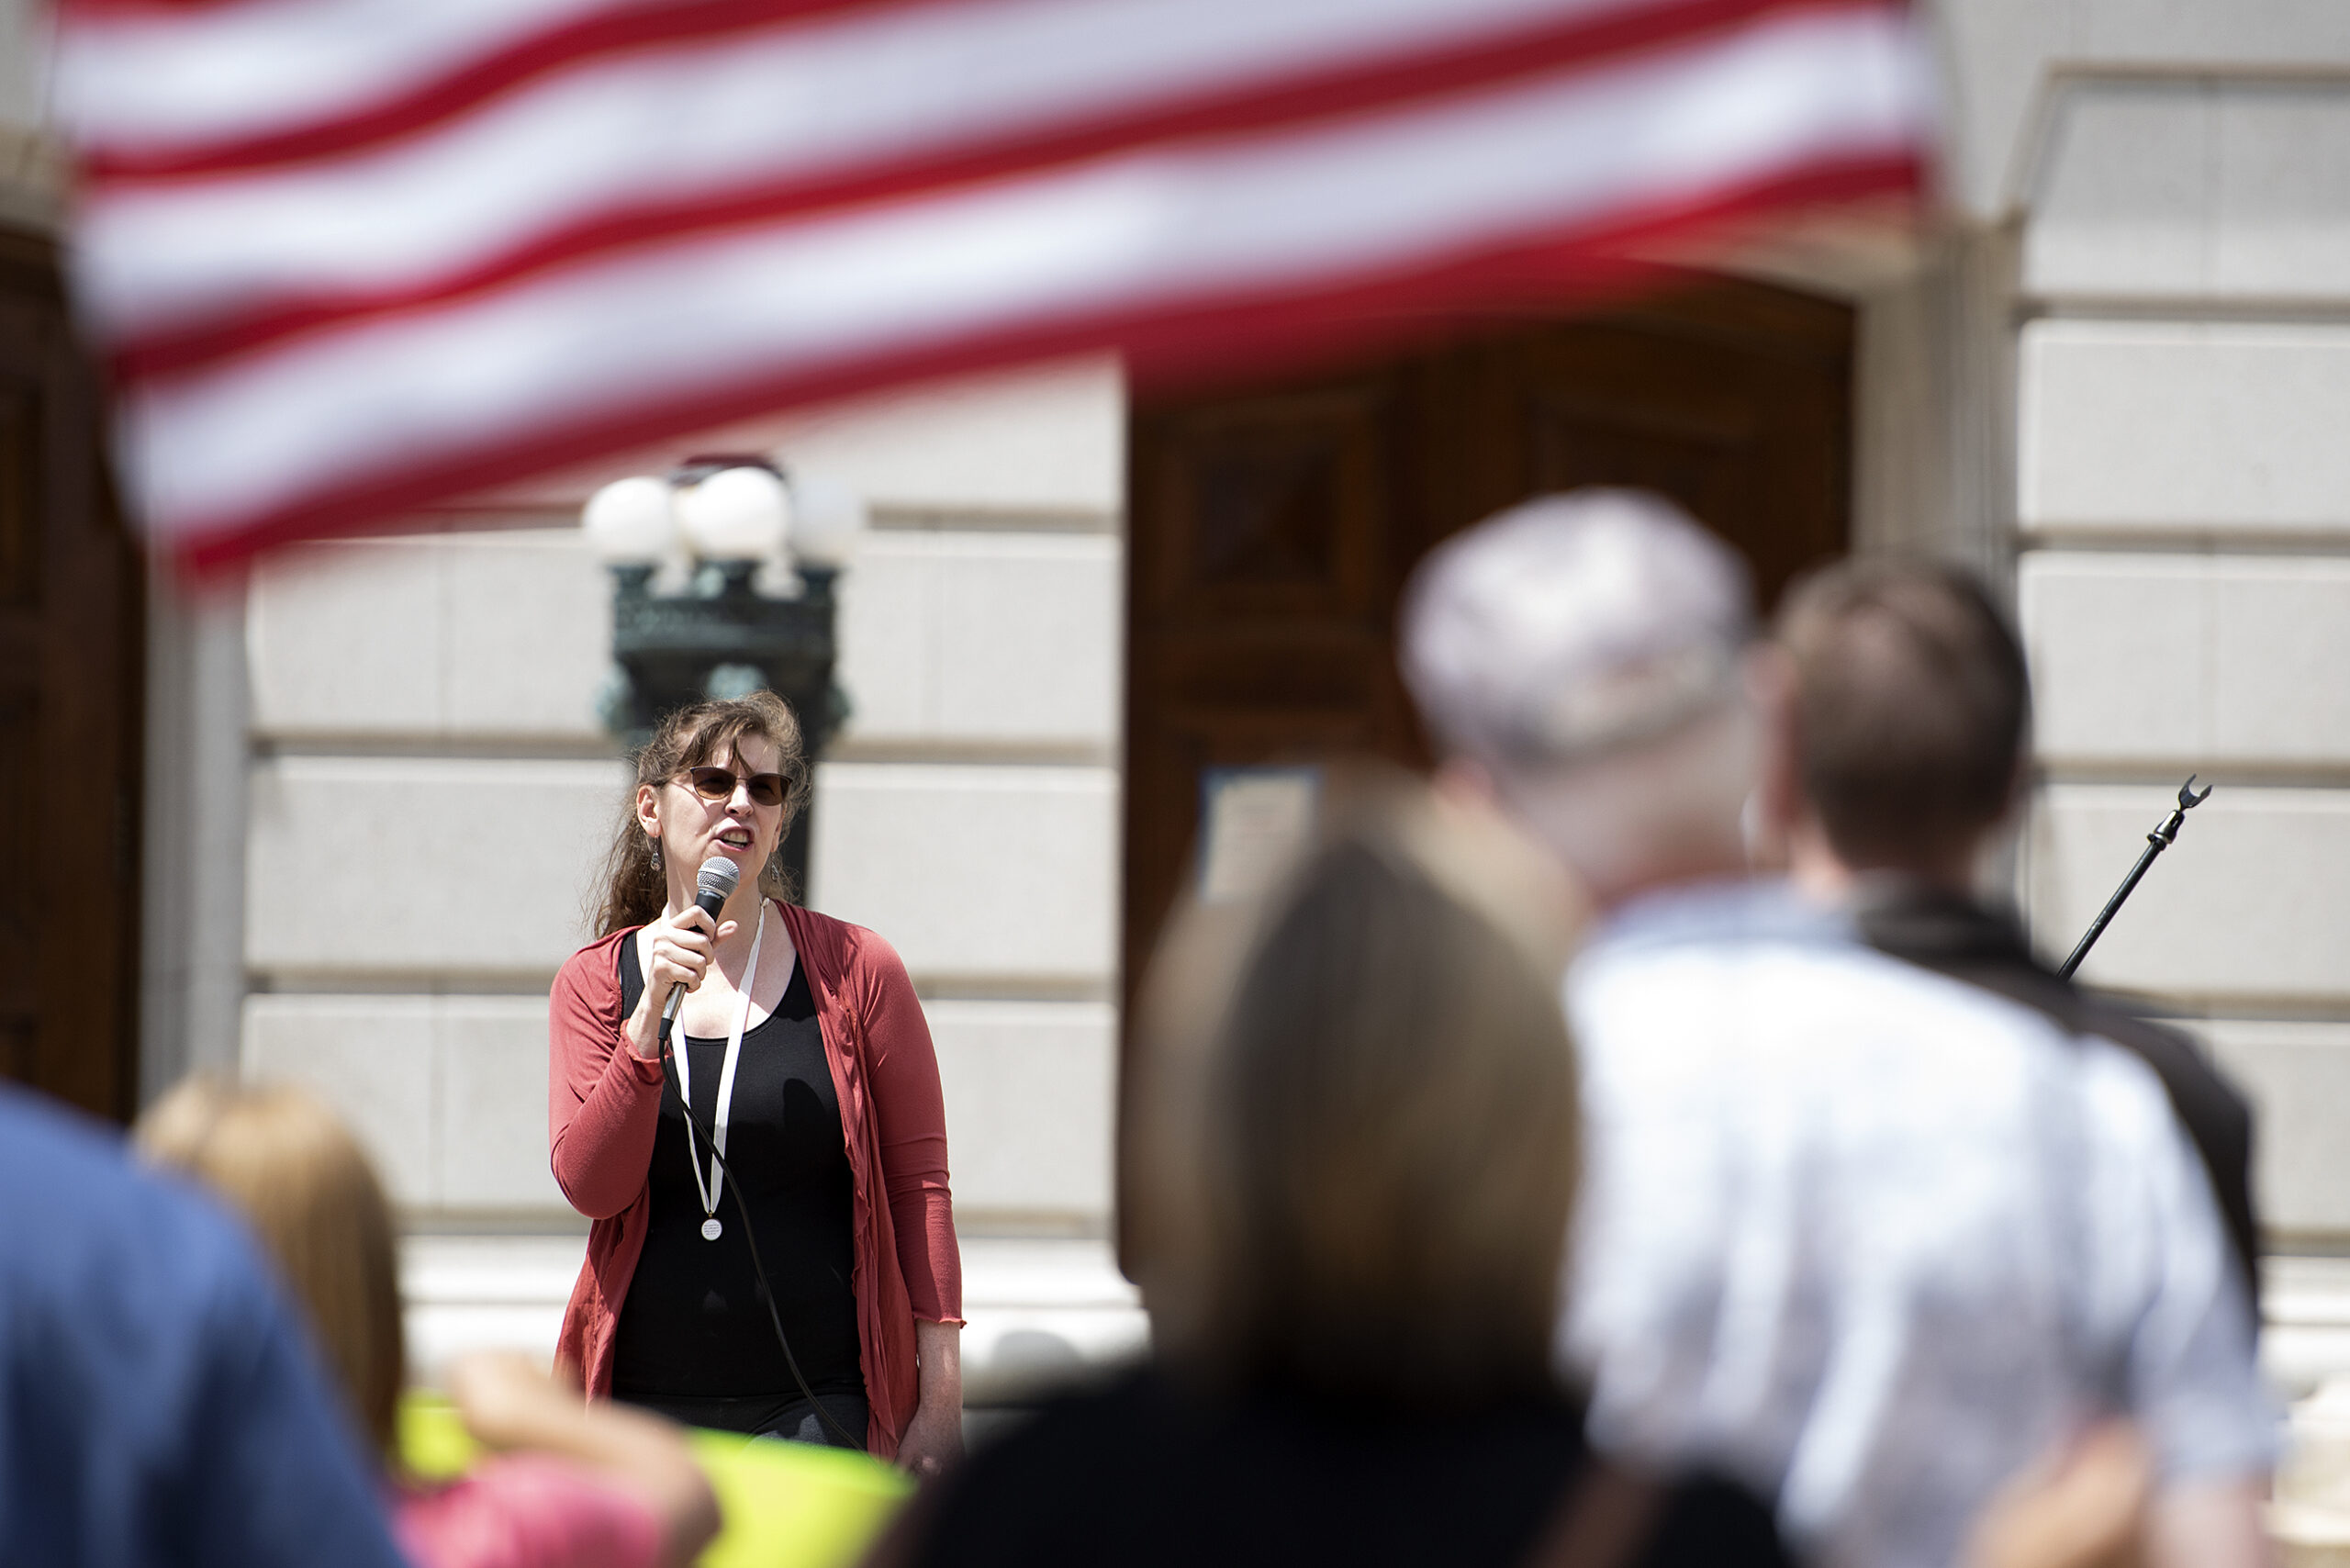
(713,885)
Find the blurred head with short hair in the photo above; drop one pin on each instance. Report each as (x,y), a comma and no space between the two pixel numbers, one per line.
(1358,1128)
(287,1163)
(1584,657)
(1911,710)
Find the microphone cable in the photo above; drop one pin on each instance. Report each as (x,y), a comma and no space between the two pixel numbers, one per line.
(751,1239)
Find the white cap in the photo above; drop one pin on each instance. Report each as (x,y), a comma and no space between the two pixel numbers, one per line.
(1573,624)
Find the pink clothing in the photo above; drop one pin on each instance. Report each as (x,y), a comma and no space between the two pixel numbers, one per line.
(604,1106)
(526,1511)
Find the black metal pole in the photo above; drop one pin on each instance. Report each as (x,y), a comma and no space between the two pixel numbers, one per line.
(2155,847)
(2164,835)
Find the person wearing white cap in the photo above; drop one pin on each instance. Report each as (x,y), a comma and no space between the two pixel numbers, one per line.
(1872,1241)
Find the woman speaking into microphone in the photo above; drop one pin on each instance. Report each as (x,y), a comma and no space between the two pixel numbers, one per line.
(804,1056)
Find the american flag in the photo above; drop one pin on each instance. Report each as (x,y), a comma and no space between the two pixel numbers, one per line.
(347,258)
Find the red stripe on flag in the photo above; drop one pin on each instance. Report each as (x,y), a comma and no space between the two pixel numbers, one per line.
(1389,86)
(1191,341)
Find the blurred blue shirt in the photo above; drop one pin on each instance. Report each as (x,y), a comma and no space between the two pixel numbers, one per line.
(1872,1239)
(158,1402)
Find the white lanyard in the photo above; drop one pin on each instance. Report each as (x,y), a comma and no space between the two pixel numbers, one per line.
(709,1190)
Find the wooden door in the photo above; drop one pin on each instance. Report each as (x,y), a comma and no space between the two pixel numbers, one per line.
(1273,529)
(71,641)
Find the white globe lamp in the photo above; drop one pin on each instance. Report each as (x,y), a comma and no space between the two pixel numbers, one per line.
(826,518)
(736,514)
(630,522)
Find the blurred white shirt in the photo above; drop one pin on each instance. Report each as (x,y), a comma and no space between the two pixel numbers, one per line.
(1871,1240)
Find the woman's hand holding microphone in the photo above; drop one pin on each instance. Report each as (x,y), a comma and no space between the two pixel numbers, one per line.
(682,945)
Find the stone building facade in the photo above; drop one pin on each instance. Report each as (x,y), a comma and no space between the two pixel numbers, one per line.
(2115,376)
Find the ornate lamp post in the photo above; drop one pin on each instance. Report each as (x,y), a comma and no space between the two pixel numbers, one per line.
(722,637)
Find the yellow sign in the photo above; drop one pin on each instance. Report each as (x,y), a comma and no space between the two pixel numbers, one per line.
(785,1505)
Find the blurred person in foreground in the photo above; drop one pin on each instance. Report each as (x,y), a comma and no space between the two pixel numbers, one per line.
(158,1402)
(569,1486)
(1871,1239)
(1912,705)
(1355,1163)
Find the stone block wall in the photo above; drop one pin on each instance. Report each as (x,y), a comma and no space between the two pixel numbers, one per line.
(426,793)
(2183,507)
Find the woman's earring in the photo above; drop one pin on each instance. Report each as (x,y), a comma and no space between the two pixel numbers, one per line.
(656,854)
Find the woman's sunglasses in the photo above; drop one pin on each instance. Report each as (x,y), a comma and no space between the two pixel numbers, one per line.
(718,784)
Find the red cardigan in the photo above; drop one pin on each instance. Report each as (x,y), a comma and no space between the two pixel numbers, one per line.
(604,1105)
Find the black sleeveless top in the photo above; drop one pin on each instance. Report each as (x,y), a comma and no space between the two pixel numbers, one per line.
(692,1324)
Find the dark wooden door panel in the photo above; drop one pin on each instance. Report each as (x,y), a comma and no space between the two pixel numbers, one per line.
(1277,504)
(19,485)
(1273,529)
(1258,600)
(71,641)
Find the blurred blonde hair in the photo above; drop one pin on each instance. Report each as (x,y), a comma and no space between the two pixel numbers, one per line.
(286,1162)
(1355,1142)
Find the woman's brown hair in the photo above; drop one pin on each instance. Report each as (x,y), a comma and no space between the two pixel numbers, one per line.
(1358,1157)
(635,889)
(288,1164)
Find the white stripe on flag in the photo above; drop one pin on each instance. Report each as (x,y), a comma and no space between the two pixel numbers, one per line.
(713,116)
(198,75)
(1131,232)
(171,76)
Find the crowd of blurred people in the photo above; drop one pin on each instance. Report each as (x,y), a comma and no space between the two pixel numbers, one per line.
(1642,1144)
(1875,1237)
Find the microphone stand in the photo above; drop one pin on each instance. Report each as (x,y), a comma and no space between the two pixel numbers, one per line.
(2163,835)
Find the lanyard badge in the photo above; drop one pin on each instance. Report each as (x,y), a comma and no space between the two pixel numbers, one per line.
(709,1189)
